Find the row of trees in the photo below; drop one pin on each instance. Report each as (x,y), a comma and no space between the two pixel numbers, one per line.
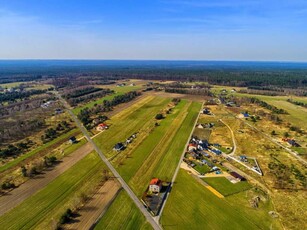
(87,115)
(81,91)
(89,97)
(14,96)
(202,92)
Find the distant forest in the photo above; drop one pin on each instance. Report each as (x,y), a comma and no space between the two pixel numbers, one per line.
(246,76)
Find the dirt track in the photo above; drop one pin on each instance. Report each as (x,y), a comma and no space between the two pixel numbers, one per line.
(16,196)
(96,207)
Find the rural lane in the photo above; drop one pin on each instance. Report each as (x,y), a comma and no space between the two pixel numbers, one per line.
(18,195)
(125,186)
(233,151)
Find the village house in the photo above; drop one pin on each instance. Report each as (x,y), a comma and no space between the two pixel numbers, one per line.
(102,127)
(155,185)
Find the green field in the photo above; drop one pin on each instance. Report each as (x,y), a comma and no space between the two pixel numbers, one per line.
(123,214)
(55,198)
(202,168)
(118,91)
(191,205)
(225,187)
(120,129)
(37,150)
(159,154)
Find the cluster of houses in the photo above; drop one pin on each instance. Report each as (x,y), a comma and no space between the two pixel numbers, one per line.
(196,151)
(121,146)
(291,142)
(200,145)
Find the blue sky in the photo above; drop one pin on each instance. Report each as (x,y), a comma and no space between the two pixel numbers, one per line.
(157,29)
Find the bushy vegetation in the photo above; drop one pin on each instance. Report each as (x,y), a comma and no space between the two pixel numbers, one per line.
(53,133)
(14,150)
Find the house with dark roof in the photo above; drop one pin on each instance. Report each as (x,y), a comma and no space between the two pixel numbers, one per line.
(72,140)
(119,146)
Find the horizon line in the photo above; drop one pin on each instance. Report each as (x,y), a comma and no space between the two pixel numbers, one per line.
(162,60)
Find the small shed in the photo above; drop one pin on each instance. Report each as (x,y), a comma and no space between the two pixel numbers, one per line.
(72,140)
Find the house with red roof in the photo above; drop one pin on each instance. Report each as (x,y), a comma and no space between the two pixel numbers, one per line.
(155,185)
(102,127)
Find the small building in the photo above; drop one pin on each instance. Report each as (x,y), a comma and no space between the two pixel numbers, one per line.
(102,127)
(119,146)
(200,126)
(192,147)
(237,176)
(72,140)
(206,111)
(243,158)
(155,185)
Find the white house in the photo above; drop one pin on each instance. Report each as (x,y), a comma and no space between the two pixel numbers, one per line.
(155,185)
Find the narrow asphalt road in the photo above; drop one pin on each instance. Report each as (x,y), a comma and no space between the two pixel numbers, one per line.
(125,186)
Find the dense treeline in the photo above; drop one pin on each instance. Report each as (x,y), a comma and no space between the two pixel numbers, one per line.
(81,92)
(86,115)
(13,96)
(203,92)
(230,75)
(89,97)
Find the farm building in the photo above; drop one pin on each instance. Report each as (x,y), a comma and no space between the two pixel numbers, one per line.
(237,176)
(155,185)
(102,127)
